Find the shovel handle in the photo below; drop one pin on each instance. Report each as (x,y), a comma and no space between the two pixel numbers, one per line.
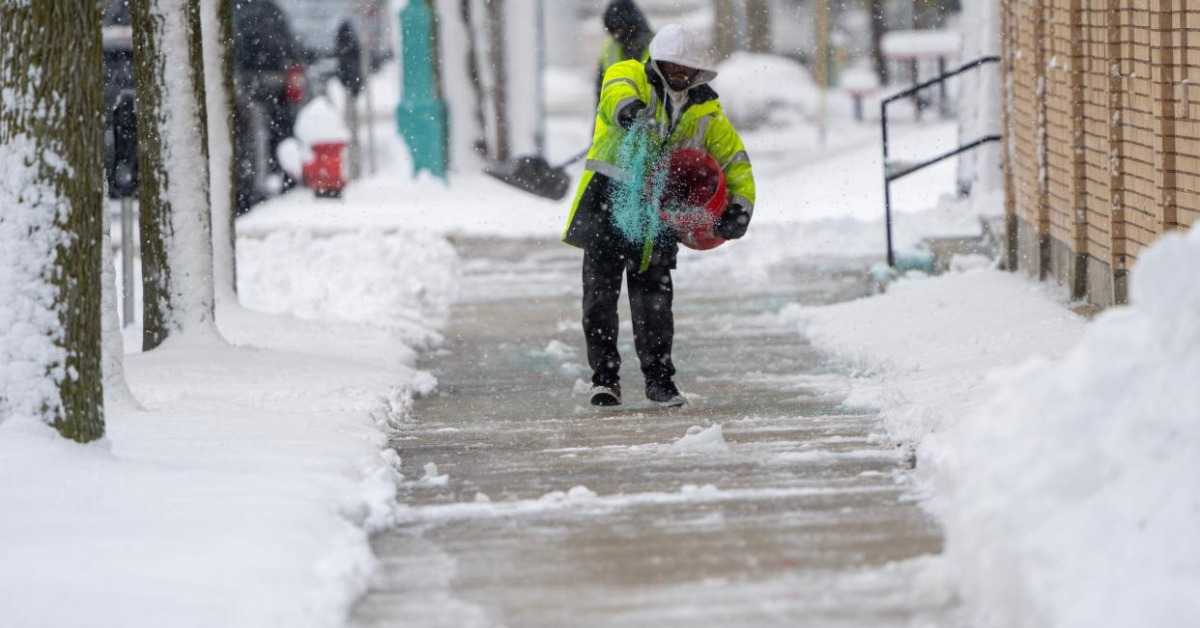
(574,159)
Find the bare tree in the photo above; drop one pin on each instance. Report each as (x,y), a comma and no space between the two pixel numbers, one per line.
(177,258)
(116,388)
(216,18)
(878,26)
(51,204)
(759,36)
(725,28)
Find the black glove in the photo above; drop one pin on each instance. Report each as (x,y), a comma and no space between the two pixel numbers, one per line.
(733,223)
(628,114)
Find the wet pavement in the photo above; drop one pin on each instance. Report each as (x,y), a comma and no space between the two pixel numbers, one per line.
(558,514)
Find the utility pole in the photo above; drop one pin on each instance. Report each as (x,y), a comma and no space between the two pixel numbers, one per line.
(758,26)
(822,62)
(725,28)
(499,43)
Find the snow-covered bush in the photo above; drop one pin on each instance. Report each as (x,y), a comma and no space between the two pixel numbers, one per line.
(763,89)
(1071,494)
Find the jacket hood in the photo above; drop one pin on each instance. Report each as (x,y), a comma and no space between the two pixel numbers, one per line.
(625,16)
(684,46)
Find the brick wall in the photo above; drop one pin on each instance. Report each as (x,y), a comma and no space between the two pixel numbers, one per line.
(1103,123)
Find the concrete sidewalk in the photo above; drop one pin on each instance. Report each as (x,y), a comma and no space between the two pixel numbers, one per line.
(801,518)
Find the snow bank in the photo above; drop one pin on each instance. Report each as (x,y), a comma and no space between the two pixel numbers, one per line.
(925,347)
(241,497)
(1064,481)
(1070,495)
(472,204)
(244,493)
(753,87)
(398,280)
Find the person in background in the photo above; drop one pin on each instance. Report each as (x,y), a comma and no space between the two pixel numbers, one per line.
(669,93)
(629,37)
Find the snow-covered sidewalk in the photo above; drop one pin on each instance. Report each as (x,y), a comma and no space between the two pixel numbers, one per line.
(243,492)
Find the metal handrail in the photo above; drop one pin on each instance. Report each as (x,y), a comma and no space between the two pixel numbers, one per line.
(890,173)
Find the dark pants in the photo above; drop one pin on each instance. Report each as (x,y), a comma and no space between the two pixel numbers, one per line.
(650,296)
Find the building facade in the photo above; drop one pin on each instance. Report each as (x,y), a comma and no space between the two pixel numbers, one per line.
(1102,135)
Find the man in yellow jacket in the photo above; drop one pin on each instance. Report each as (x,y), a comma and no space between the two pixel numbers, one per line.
(629,37)
(667,98)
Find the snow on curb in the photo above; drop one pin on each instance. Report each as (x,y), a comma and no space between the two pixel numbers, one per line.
(245,493)
(1069,493)
(1060,454)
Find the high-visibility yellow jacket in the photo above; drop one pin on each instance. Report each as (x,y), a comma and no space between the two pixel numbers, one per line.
(702,124)
(615,52)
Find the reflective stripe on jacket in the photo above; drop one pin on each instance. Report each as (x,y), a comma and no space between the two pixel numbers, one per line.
(702,125)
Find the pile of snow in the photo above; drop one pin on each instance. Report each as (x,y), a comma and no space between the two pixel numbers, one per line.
(1070,496)
(1061,454)
(321,121)
(570,90)
(243,495)
(243,490)
(432,477)
(701,439)
(927,345)
(758,89)
(401,280)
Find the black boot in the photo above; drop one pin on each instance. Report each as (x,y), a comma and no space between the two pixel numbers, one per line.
(665,394)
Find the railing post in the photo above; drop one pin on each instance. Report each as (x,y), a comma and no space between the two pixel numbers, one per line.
(888,175)
(887,185)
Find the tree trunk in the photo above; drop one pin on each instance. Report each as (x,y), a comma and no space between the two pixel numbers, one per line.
(758,26)
(725,28)
(216,17)
(466,14)
(878,25)
(177,262)
(51,204)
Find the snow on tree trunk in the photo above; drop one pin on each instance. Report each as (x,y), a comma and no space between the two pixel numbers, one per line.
(51,204)
(116,389)
(177,256)
(216,18)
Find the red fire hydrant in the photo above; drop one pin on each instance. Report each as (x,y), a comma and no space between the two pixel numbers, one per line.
(323,175)
(693,197)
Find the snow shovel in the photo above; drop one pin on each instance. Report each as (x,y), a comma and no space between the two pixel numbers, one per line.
(534,175)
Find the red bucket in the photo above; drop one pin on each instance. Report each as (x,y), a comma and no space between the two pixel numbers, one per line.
(693,197)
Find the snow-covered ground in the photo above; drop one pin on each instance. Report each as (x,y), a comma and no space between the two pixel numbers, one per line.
(243,490)
(1058,454)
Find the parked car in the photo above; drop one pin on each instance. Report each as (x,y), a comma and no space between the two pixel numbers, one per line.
(120,165)
(270,86)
